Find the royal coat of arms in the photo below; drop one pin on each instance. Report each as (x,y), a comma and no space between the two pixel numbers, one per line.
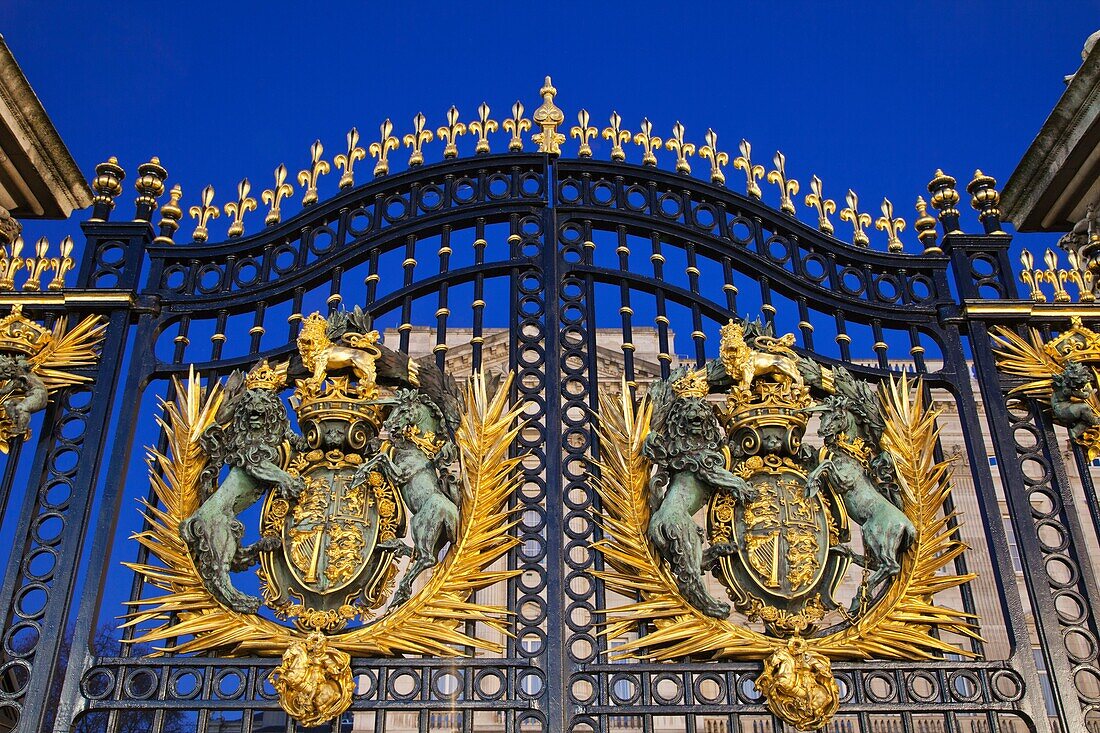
(725,442)
(358,502)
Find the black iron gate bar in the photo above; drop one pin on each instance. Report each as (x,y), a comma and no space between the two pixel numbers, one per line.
(554,210)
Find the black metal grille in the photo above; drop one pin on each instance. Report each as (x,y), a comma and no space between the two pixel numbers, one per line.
(553,253)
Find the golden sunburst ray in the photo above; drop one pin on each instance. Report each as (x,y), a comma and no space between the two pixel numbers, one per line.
(1026,357)
(897,627)
(69,349)
(429,623)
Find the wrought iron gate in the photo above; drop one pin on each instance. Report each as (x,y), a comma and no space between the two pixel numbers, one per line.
(566,264)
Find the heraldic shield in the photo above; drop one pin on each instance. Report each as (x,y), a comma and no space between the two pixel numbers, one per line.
(370,542)
(341,535)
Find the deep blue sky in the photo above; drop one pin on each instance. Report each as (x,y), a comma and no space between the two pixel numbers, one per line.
(872,96)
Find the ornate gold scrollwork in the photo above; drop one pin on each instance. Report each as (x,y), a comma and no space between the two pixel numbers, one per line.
(548,117)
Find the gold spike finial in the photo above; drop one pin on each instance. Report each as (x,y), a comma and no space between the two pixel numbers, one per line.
(887,223)
(716,157)
(346,161)
(481,127)
(824,206)
(203,214)
(752,172)
(416,140)
(617,136)
(150,186)
(584,132)
(237,209)
(548,116)
(858,220)
(787,187)
(682,149)
(926,228)
(944,198)
(450,132)
(380,150)
(170,215)
(311,175)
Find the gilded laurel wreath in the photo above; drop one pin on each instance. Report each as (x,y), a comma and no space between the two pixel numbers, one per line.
(897,626)
(430,623)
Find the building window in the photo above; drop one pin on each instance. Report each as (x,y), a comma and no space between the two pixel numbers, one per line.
(993,461)
(1044,682)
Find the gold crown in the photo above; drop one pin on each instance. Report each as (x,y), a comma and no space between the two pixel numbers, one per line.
(692,384)
(336,399)
(264,376)
(1078,343)
(20,334)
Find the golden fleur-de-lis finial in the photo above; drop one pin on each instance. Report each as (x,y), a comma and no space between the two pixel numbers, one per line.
(39,265)
(788,187)
(450,132)
(858,220)
(11,262)
(583,131)
(62,265)
(1032,277)
(648,141)
(273,197)
(893,227)
(1082,277)
(617,135)
(548,117)
(1056,277)
(203,213)
(346,161)
(237,209)
(682,149)
(517,124)
(752,172)
(311,175)
(381,149)
(416,140)
(716,157)
(481,127)
(823,205)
